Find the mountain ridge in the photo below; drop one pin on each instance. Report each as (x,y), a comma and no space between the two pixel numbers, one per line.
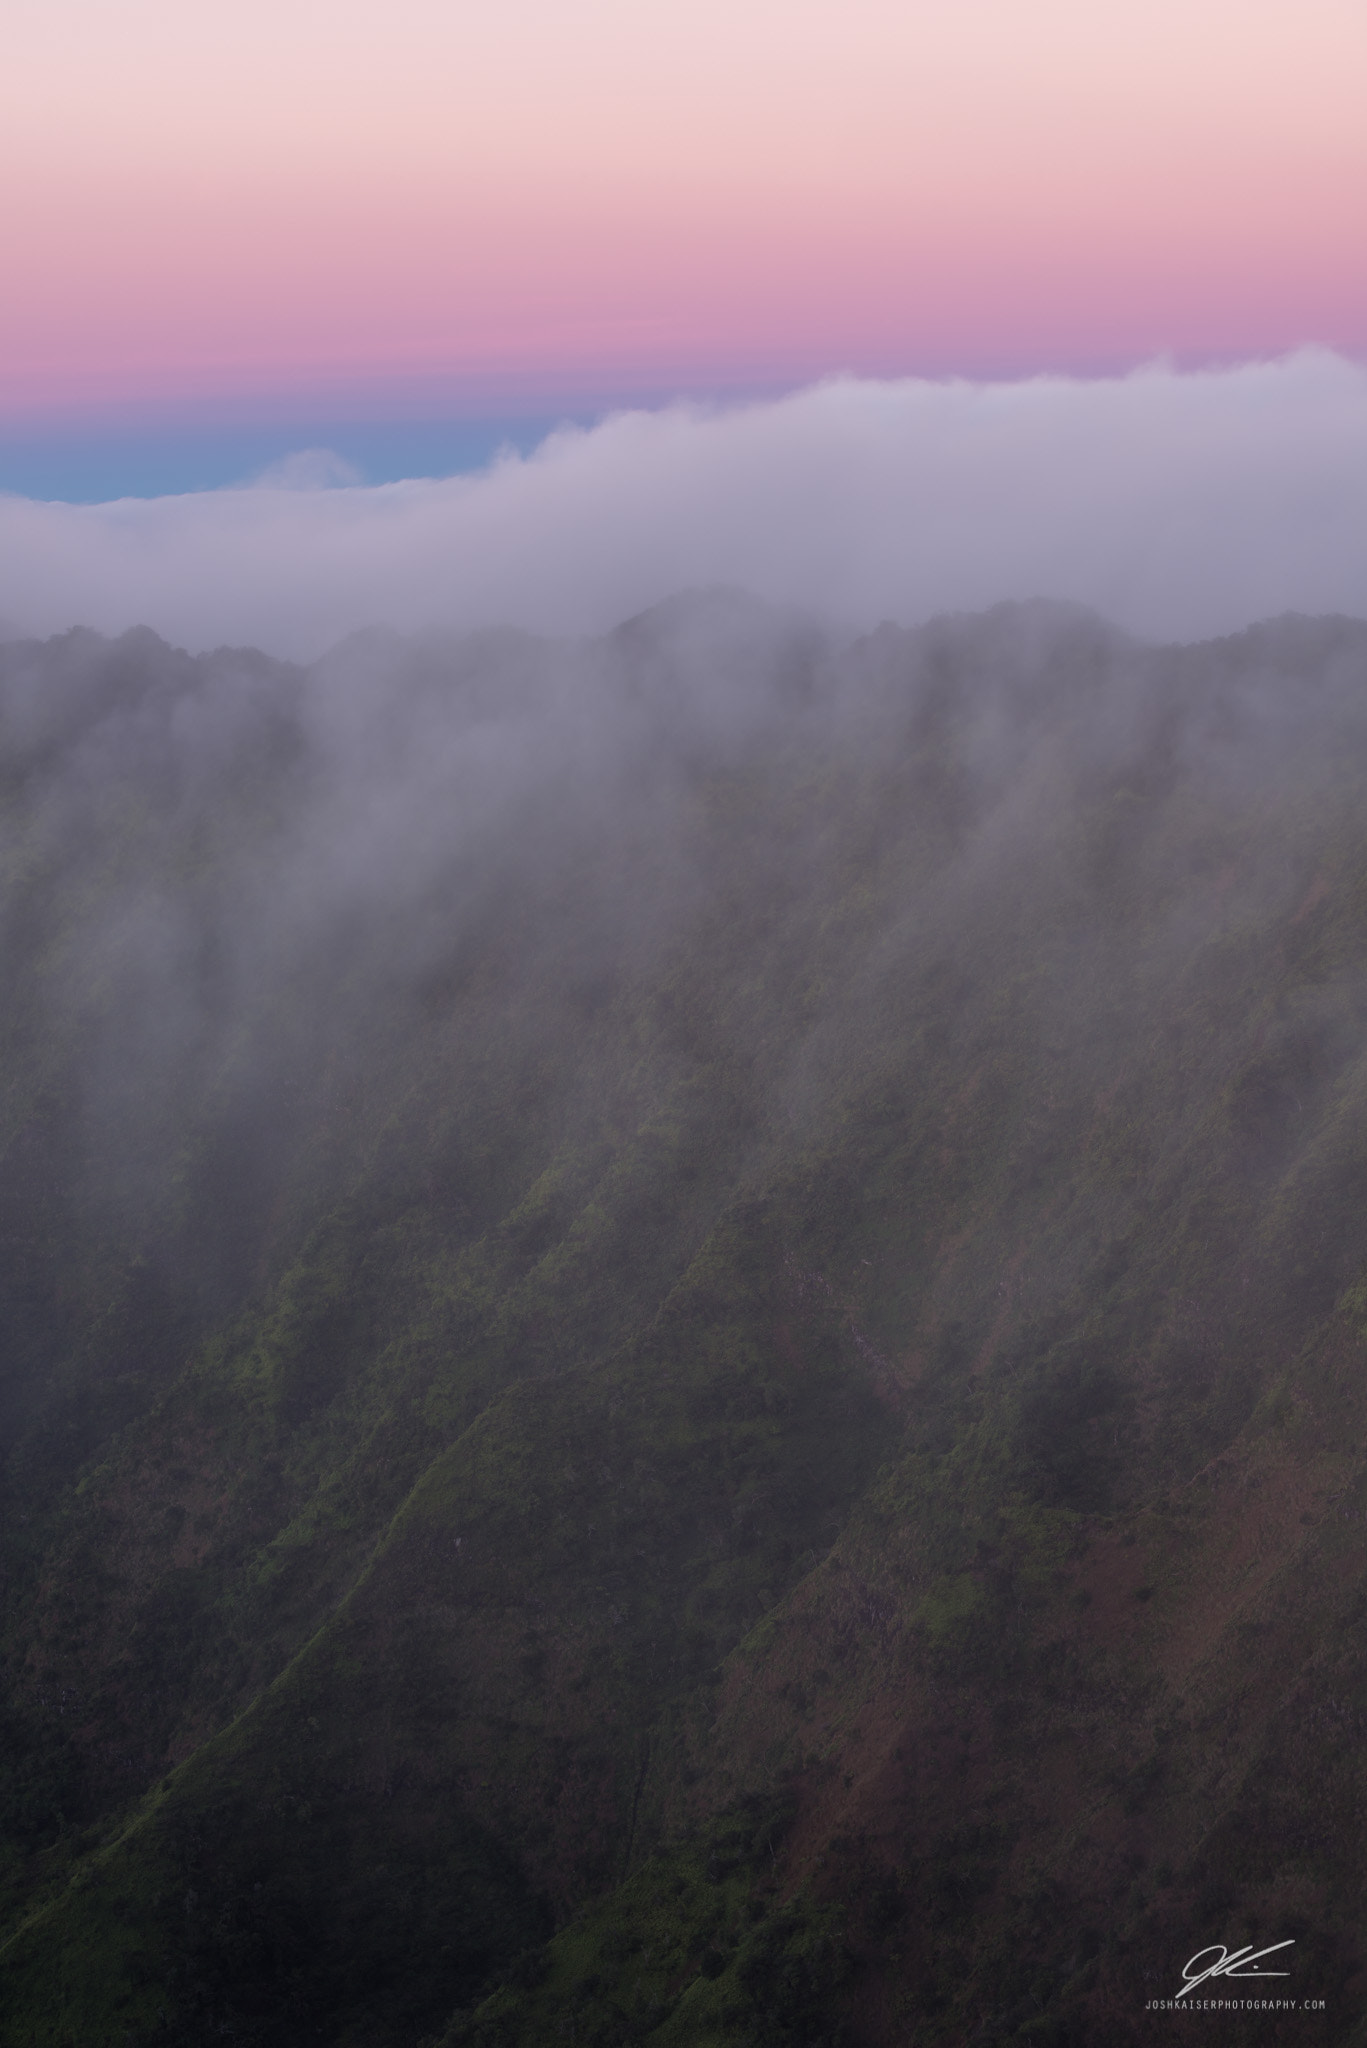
(647,1307)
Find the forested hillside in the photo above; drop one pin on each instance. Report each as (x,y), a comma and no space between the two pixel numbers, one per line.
(685,1334)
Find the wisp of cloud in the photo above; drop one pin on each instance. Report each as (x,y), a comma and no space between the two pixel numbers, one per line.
(1178,504)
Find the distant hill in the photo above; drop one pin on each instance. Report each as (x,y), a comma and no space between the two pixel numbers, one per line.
(685,1335)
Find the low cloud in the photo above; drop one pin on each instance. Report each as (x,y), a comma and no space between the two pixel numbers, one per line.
(1179,504)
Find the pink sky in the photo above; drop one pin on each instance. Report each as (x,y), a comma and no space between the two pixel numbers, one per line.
(446,201)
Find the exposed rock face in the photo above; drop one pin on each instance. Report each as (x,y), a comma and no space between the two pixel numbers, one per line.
(685,1333)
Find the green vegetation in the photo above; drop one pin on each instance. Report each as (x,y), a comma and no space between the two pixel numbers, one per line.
(676,1374)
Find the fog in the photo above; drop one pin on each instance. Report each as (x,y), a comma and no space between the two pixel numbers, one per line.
(774,920)
(267,917)
(1177,504)
(650,782)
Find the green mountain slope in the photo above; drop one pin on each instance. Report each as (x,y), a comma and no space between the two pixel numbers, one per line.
(686,1325)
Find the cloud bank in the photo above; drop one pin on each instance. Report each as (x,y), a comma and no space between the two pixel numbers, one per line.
(1179,504)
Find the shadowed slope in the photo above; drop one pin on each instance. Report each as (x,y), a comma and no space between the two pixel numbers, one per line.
(722,1318)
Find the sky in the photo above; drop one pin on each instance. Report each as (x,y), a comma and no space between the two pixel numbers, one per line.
(418,232)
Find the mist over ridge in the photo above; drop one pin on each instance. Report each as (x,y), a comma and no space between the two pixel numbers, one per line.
(240,891)
(647,1277)
(1178,504)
